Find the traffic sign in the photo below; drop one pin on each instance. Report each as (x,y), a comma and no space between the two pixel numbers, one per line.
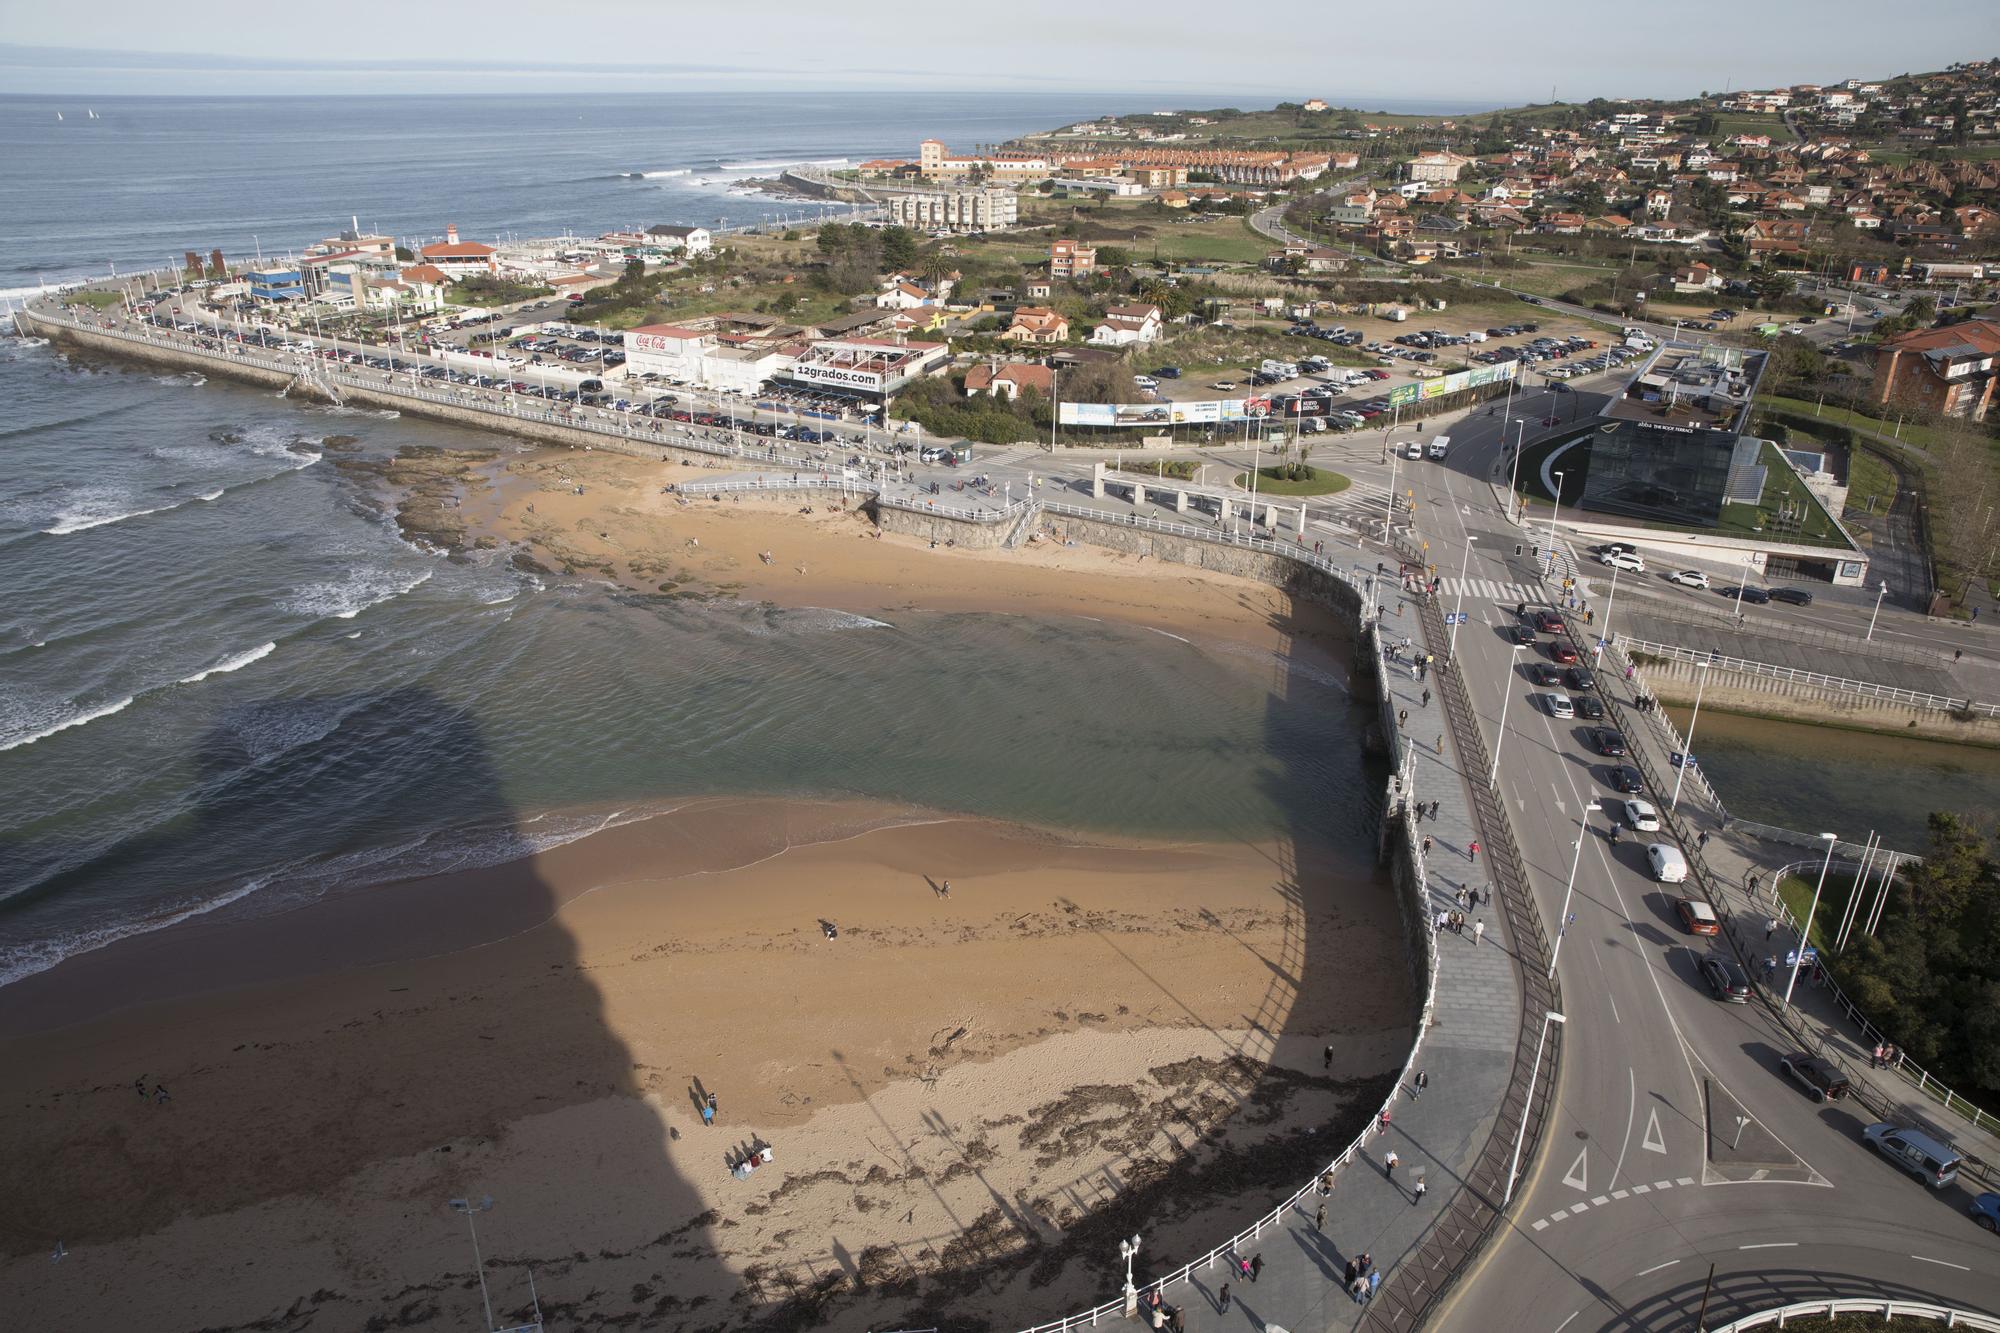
(1455,617)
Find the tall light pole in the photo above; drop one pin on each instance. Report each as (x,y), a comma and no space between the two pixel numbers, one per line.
(1129,1249)
(1805,935)
(1553,511)
(1458,610)
(1562,919)
(470,1208)
(1506,696)
(1389,507)
(1879,595)
(1604,635)
(1520,1133)
(1514,475)
(1687,756)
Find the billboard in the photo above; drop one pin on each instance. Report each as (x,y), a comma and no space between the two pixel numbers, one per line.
(1205,412)
(840,376)
(1404,394)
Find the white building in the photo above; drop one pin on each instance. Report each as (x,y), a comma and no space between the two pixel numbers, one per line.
(667,350)
(1124,325)
(688,240)
(1435,167)
(954,210)
(459,259)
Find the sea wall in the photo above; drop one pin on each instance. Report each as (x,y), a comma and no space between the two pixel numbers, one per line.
(1677,682)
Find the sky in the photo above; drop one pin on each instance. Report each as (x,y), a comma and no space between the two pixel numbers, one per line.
(1469,54)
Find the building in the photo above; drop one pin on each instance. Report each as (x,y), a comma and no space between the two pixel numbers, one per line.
(954,210)
(671,351)
(904,296)
(687,240)
(869,368)
(936,162)
(1435,167)
(1315,104)
(276,284)
(458,259)
(1696,277)
(1124,325)
(1071,259)
(1009,380)
(1671,448)
(1949,371)
(1037,324)
(1160,178)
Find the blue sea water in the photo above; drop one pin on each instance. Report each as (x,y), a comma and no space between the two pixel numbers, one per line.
(227,683)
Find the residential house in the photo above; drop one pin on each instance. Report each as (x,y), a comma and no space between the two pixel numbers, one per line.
(1040,289)
(1124,325)
(1315,104)
(1949,371)
(1173,198)
(1071,259)
(1659,202)
(688,240)
(904,296)
(1696,277)
(458,259)
(1037,324)
(1435,167)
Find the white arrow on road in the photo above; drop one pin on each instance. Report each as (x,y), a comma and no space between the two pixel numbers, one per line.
(1578,1177)
(1653,1142)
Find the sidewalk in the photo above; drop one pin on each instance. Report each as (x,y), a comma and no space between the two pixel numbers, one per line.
(1726,862)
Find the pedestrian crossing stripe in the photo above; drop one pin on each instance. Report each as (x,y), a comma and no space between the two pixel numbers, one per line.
(1491,590)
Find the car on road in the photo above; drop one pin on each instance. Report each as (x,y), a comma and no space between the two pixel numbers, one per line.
(1545,673)
(1624,560)
(1931,1160)
(1608,742)
(1666,864)
(1548,622)
(1755,596)
(1520,634)
(1562,650)
(1726,981)
(1821,1078)
(1580,678)
(1558,705)
(1985,1211)
(1625,778)
(1796,596)
(1642,816)
(1697,917)
(1688,578)
(1587,707)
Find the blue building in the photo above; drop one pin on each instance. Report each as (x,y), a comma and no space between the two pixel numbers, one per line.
(277,284)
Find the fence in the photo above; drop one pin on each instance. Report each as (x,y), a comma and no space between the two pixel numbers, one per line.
(1886,1309)
(1793,633)
(1840,684)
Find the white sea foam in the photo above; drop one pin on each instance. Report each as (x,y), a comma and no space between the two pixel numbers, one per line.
(661,175)
(74,720)
(85,517)
(344,601)
(233,663)
(782,164)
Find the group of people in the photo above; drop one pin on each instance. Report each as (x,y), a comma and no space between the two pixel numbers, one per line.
(1161,1315)
(1884,1055)
(1362,1276)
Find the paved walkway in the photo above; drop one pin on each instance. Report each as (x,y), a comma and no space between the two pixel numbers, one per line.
(1729,860)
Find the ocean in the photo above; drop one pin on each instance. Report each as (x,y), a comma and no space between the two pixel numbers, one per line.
(227,685)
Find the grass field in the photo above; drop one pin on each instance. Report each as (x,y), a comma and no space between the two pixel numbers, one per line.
(97,300)
(1273,481)
(1921,436)
(1871,483)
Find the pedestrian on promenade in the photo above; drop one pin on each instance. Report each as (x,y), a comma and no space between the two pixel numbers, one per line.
(1427,698)
(1770,926)
(1478,933)
(1421,1082)
(1770,966)
(1438,924)
(1440,743)
(1352,1271)
(1256,1266)
(1701,840)
(1427,844)
(1875,1056)
(1374,1282)
(1357,1287)
(1243,1267)
(1434,809)
(1422,1188)
(1389,1164)
(1402,717)
(1319,1219)
(1382,1121)
(1222,1300)
(1472,850)
(1326,1057)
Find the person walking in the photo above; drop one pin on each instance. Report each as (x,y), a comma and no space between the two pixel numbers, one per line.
(1256,1267)
(1472,850)
(1319,1219)
(1419,1083)
(1374,1282)
(1770,926)
(1402,717)
(1701,840)
(1434,810)
(1389,1164)
(1419,1190)
(1382,1121)
(1243,1267)
(1222,1300)
(1326,1057)
(1478,933)
(1427,698)
(1427,844)
(1440,743)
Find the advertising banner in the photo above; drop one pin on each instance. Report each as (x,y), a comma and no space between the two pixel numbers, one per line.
(1087,414)
(813,373)
(1205,412)
(1434,388)
(1404,394)
(1245,409)
(1197,414)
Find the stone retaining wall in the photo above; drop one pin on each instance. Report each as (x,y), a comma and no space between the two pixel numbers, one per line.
(1676,682)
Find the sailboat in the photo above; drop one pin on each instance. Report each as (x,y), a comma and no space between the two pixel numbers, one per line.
(93,115)
(58,115)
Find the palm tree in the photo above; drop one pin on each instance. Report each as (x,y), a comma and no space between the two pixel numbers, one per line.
(936,266)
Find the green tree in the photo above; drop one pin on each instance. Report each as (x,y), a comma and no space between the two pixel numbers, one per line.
(899,247)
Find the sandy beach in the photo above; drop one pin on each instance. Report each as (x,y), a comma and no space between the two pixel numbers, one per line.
(967,1093)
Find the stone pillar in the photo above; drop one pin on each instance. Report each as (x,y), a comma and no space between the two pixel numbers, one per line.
(1097,481)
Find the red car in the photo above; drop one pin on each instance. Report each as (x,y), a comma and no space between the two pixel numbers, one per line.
(1548,622)
(1562,651)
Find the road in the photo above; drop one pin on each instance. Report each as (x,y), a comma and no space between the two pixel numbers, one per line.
(1631,1201)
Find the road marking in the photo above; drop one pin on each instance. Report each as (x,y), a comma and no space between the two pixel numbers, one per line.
(1687,1180)
(1942,1263)
(1663,1184)
(1654,1141)
(1642,1189)
(1541,1224)
(1771,1245)
(1578,1207)
(1599,1201)
(1657,1267)
(1565,1323)
(1578,1177)
(1620,1194)
(1559,1214)
(1631,1109)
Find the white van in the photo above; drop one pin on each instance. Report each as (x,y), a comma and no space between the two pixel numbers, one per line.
(1439,446)
(1666,863)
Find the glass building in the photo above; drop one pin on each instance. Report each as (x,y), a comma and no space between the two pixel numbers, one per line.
(1663,473)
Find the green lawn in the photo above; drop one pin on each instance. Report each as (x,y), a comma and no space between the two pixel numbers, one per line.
(97,300)
(1921,436)
(1871,483)
(1273,481)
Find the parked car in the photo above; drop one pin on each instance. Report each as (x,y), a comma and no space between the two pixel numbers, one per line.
(1929,1159)
(1688,578)
(1755,596)
(1666,863)
(1726,981)
(1821,1078)
(1641,816)
(1608,742)
(1558,705)
(1796,596)
(1697,917)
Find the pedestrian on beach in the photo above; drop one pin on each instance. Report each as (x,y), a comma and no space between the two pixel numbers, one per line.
(160,1095)
(1319,1219)
(140,1084)
(1256,1266)
(947,888)
(1222,1299)
(1478,933)
(1326,1057)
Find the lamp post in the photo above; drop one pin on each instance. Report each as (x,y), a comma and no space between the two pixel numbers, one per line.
(1687,756)
(1389,506)
(1879,595)
(1562,919)
(1506,695)
(1604,635)
(1521,1132)
(1805,935)
(470,1208)
(1458,609)
(1554,509)
(1129,1249)
(1514,474)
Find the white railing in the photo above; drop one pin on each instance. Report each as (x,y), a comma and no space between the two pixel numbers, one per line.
(846,485)
(1943,703)
(1887,1309)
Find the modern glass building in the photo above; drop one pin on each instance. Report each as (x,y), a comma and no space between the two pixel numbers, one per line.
(1663,473)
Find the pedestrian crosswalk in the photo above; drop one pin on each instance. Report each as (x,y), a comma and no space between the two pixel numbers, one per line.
(1493,590)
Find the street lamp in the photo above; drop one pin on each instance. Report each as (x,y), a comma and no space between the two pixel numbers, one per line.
(1458,610)
(1514,1167)
(469,1208)
(1604,635)
(1562,919)
(1880,594)
(1514,474)
(1129,1249)
(1687,756)
(1554,509)
(1805,935)
(1506,695)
